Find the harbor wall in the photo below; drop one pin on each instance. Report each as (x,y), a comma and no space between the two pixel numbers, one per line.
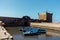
(54,26)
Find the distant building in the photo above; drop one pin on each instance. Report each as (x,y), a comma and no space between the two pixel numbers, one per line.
(12,21)
(47,17)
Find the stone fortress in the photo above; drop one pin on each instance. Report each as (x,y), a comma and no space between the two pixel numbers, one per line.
(25,20)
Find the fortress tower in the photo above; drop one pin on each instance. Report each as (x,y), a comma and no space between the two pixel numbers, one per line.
(45,16)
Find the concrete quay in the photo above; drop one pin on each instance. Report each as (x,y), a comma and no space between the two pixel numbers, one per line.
(53,26)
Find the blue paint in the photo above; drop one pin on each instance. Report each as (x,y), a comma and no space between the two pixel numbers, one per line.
(32,31)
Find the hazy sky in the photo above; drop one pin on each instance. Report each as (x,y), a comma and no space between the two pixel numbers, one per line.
(19,8)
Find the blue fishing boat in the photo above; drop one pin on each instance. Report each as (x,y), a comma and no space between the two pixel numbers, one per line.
(33,31)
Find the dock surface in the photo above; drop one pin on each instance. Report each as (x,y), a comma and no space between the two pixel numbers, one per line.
(54,26)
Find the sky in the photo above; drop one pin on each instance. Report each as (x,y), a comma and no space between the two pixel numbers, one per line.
(20,8)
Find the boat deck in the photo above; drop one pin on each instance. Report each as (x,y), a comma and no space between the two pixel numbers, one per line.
(4,34)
